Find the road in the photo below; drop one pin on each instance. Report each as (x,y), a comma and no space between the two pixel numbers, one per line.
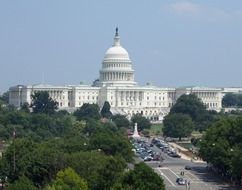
(199,177)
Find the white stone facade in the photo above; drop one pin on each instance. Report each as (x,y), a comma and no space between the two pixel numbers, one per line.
(116,85)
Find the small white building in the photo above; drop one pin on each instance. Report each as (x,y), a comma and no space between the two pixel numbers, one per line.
(116,85)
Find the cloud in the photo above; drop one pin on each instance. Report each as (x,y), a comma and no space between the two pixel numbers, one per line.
(202,12)
(184,8)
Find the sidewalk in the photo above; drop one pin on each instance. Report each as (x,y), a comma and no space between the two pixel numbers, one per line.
(184,156)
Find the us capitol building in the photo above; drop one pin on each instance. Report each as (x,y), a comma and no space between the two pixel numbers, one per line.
(116,85)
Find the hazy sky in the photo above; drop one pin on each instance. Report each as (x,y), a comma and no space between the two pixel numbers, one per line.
(171,42)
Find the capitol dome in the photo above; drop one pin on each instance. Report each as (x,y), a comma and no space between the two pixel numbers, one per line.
(116,52)
(116,65)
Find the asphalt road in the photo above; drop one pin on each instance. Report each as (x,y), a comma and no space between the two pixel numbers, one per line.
(199,177)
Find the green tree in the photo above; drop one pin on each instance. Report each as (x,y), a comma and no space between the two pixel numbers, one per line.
(68,179)
(88,111)
(120,121)
(177,125)
(189,104)
(111,143)
(4,98)
(25,107)
(23,183)
(43,103)
(142,178)
(232,100)
(98,169)
(142,122)
(105,112)
(39,162)
(222,144)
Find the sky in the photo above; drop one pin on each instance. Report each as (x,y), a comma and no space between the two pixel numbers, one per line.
(171,43)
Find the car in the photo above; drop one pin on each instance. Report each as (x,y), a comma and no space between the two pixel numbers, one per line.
(188,167)
(147,158)
(181,181)
(177,179)
(174,155)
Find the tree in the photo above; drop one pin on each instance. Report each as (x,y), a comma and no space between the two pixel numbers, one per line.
(87,111)
(177,125)
(142,122)
(25,107)
(120,121)
(111,143)
(193,106)
(42,103)
(232,100)
(221,146)
(68,179)
(4,98)
(22,183)
(98,169)
(189,104)
(105,112)
(142,178)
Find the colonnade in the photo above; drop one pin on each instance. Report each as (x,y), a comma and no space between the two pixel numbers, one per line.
(131,95)
(122,76)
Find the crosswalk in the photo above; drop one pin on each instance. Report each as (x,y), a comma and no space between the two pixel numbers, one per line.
(170,176)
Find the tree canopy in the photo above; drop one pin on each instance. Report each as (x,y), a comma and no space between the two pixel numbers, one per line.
(142,122)
(232,100)
(221,146)
(4,98)
(142,178)
(68,179)
(189,104)
(43,103)
(105,112)
(177,125)
(63,150)
(88,111)
(22,183)
(120,121)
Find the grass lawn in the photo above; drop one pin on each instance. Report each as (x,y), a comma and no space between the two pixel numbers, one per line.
(196,134)
(155,129)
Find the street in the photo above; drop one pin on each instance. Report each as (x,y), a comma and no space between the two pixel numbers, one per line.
(197,177)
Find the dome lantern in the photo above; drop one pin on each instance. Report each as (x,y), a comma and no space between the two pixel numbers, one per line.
(116,38)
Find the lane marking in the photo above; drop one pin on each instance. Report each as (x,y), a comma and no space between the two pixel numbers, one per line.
(162,174)
(173,173)
(191,177)
(194,177)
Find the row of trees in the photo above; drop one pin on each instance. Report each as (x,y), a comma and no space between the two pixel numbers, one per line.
(49,149)
(232,100)
(187,115)
(221,146)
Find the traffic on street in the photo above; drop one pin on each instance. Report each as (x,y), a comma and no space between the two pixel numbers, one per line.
(176,172)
